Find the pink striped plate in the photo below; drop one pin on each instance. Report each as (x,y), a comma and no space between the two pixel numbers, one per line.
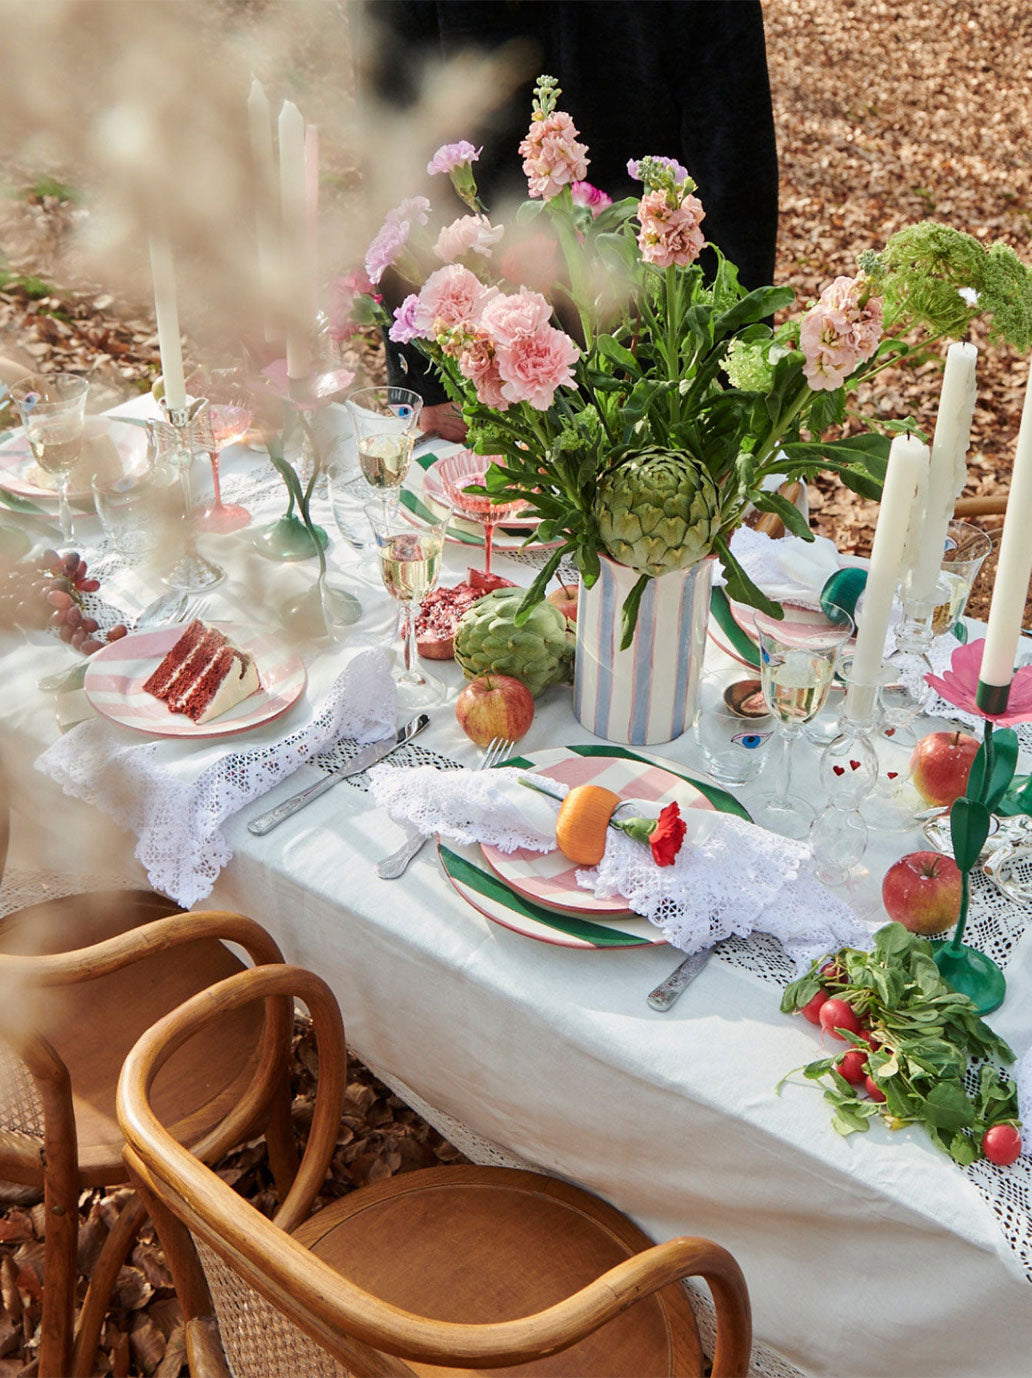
(20,474)
(812,618)
(116,674)
(550,879)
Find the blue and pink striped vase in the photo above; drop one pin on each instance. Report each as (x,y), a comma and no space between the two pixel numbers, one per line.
(648,693)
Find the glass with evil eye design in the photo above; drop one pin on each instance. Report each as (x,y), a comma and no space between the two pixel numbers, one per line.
(732,729)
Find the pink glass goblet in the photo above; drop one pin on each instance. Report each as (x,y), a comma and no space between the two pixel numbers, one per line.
(461,471)
(229,414)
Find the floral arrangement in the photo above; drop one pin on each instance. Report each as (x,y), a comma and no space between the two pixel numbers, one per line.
(588,350)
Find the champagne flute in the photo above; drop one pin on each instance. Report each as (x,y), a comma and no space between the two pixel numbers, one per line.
(385,421)
(52,407)
(797,666)
(410,563)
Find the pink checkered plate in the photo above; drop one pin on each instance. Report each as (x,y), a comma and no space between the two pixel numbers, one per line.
(116,674)
(550,879)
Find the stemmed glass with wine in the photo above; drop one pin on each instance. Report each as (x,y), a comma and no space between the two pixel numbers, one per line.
(797,666)
(410,564)
(52,408)
(386,423)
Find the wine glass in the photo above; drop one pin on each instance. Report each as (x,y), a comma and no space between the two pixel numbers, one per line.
(52,407)
(797,665)
(385,421)
(229,414)
(410,562)
(464,470)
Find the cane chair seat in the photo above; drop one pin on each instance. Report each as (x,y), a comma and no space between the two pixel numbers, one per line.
(442,1272)
(92,1025)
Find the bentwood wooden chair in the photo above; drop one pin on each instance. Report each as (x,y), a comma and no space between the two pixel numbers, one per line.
(439,1271)
(80,979)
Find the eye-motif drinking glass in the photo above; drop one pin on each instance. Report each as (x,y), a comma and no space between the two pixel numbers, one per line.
(386,422)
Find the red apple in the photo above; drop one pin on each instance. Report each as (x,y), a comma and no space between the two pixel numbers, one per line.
(565,599)
(493,706)
(940,766)
(922,892)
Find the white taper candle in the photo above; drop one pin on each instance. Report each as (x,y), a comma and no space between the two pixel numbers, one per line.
(948,472)
(264,160)
(294,236)
(163,276)
(908,461)
(1014,569)
(312,213)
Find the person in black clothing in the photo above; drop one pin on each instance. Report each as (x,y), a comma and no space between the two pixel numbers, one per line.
(684,79)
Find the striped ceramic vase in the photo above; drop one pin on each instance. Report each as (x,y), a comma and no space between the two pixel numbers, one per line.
(649,692)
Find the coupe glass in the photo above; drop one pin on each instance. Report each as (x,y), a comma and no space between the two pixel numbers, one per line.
(410,562)
(797,665)
(385,421)
(460,472)
(229,413)
(52,407)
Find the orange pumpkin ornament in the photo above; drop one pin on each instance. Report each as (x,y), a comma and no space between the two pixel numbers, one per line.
(580,829)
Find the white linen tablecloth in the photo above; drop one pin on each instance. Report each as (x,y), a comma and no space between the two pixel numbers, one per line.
(868,1256)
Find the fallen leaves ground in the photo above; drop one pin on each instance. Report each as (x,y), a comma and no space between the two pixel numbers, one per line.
(886,113)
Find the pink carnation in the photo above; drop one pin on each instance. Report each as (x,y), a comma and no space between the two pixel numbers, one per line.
(451,156)
(404,328)
(470,234)
(478,363)
(532,261)
(450,296)
(552,157)
(507,318)
(584,194)
(393,235)
(415,208)
(534,366)
(670,233)
(342,300)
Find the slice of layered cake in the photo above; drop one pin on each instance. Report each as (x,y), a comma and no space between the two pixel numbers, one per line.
(204,675)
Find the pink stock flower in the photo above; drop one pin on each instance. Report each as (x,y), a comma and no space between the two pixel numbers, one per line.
(552,157)
(450,156)
(342,300)
(393,235)
(450,296)
(676,169)
(841,331)
(404,328)
(507,318)
(959,684)
(670,233)
(534,366)
(584,194)
(470,234)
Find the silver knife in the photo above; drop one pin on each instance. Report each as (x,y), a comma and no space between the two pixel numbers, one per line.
(368,756)
(668,991)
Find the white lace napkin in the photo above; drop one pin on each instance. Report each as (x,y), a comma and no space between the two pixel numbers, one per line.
(730,877)
(788,568)
(175,794)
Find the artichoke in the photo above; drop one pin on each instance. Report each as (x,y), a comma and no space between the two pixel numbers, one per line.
(539,653)
(658,510)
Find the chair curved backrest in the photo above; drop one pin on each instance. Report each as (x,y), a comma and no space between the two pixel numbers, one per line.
(360,1331)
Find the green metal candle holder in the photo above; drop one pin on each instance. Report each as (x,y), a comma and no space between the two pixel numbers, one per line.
(967,970)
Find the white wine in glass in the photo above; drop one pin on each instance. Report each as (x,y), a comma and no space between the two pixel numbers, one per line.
(796,687)
(410,564)
(385,459)
(52,408)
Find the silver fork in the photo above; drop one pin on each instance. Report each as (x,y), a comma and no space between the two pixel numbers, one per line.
(395,865)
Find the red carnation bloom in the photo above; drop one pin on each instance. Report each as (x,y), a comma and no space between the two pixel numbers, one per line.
(667,836)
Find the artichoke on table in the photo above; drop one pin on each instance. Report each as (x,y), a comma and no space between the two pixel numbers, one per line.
(539,653)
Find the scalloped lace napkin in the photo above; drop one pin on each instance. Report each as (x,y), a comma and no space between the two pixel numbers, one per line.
(730,877)
(175,795)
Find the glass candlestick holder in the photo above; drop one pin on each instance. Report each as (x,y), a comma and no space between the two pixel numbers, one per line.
(905,694)
(849,762)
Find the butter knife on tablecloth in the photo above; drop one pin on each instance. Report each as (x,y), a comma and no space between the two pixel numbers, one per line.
(669,990)
(368,756)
